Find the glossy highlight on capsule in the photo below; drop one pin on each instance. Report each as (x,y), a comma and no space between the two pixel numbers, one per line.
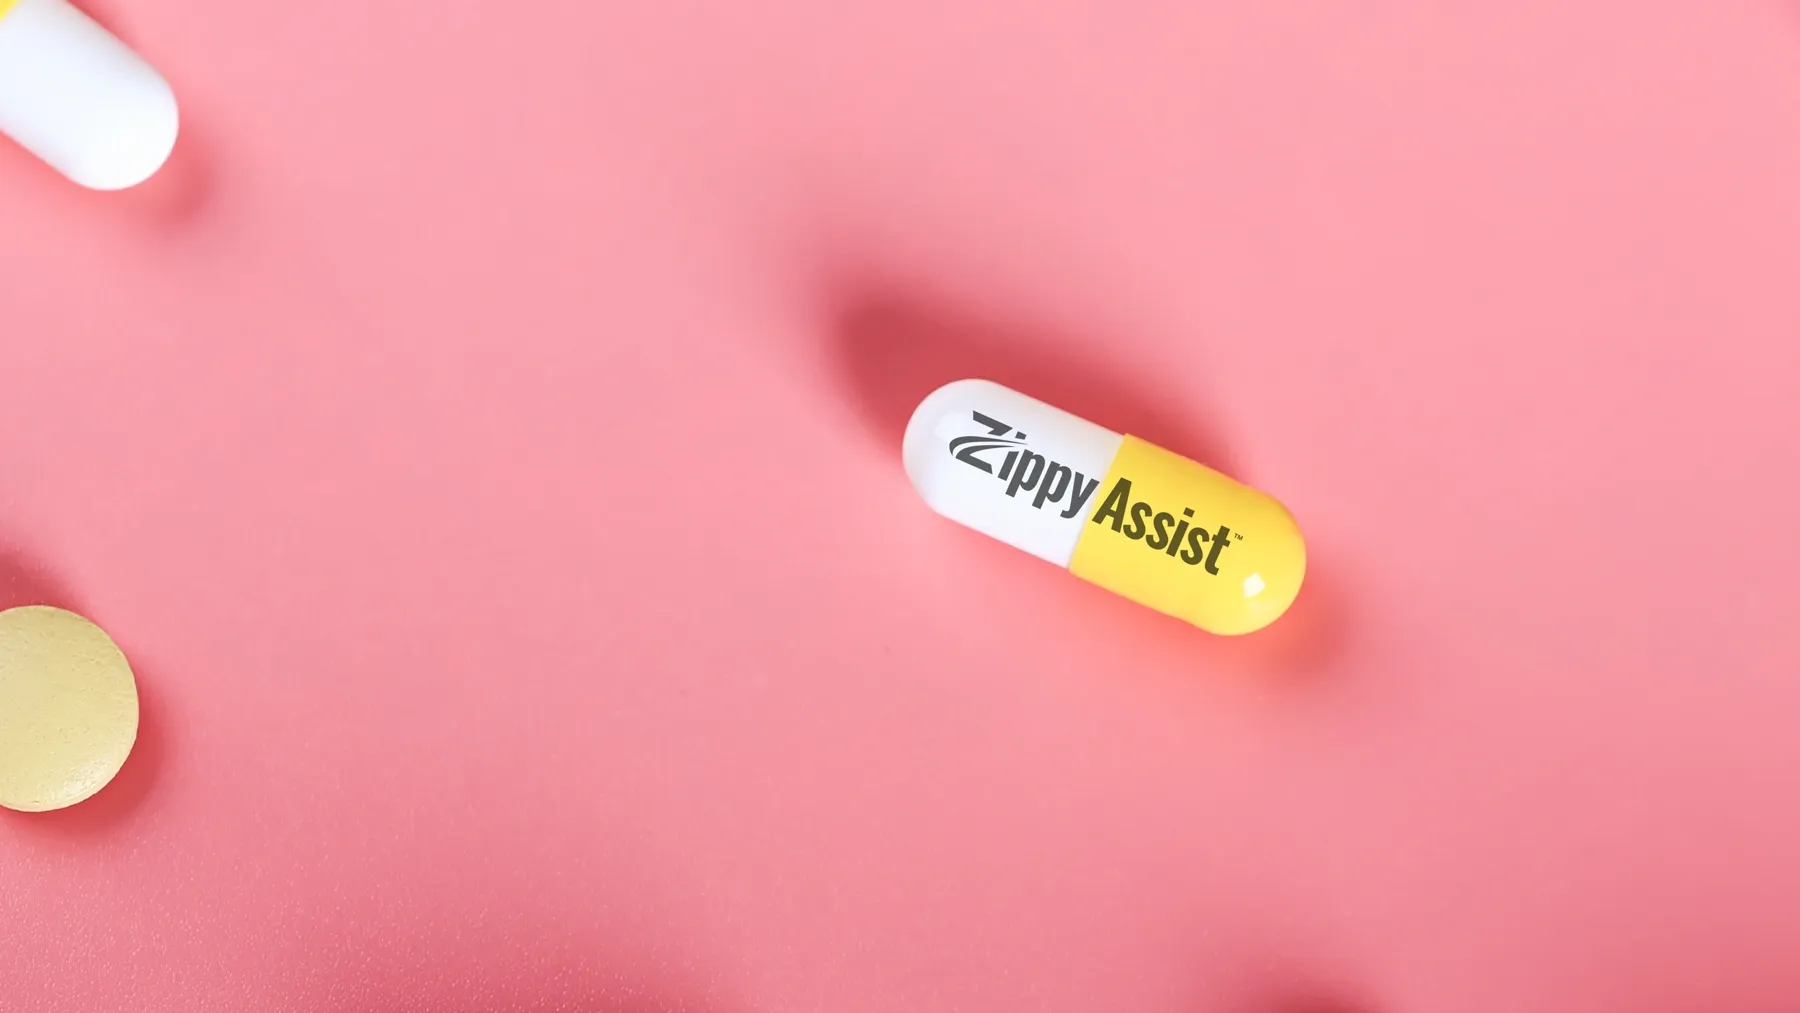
(75,96)
(1115,510)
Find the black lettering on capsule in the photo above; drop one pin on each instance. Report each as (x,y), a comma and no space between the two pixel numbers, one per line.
(1180,532)
(1026,475)
(1196,550)
(1160,537)
(1083,491)
(1114,504)
(1220,541)
(964,448)
(1024,470)
(1056,482)
(1139,521)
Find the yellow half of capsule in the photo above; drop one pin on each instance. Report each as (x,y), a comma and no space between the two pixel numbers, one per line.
(6,6)
(1260,563)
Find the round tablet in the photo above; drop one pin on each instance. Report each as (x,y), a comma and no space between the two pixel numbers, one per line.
(68,708)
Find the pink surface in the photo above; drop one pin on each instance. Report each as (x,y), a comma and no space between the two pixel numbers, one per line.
(484,440)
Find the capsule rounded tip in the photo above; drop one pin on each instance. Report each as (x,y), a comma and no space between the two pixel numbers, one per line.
(135,145)
(1271,582)
(920,445)
(80,99)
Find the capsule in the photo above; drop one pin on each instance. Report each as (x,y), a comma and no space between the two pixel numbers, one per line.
(75,96)
(1151,525)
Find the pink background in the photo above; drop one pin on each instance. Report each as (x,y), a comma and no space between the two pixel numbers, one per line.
(484,441)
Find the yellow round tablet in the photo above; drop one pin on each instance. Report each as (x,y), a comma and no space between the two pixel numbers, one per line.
(68,708)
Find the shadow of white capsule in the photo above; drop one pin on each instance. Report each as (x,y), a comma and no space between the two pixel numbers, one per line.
(75,96)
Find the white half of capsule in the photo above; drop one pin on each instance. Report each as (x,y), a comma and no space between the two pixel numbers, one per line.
(954,483)
(75,96)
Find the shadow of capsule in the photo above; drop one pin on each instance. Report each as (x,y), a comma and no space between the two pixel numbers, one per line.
(889,354)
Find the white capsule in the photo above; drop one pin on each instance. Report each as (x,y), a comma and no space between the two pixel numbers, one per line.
(75,96)
(965,452)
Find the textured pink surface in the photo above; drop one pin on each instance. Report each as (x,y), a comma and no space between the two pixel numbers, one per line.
(484,441)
